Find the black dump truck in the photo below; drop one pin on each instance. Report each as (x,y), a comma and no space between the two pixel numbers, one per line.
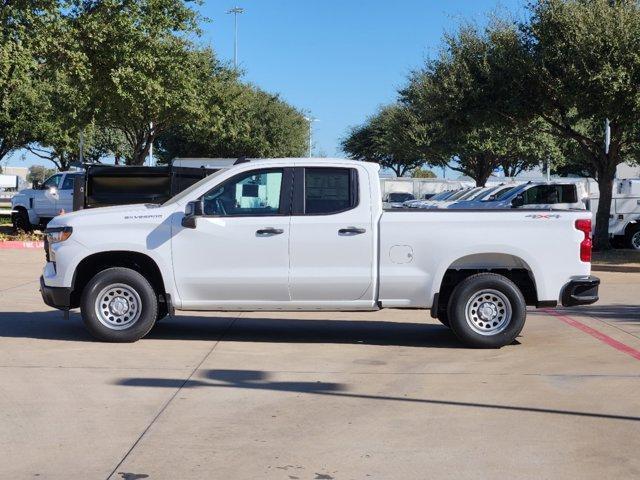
(105,185)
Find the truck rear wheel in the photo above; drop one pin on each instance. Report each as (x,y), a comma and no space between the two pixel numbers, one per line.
(487,310)
(119,305)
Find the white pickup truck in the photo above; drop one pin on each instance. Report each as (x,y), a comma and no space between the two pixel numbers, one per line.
(311,234)
(36,206)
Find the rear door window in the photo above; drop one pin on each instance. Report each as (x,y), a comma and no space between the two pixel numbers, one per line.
(329,190)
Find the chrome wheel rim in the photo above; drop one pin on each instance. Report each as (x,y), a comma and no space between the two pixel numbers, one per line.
(118,306)
(488,312)
(635,240)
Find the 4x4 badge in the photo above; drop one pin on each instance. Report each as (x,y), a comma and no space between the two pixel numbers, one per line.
(545,216)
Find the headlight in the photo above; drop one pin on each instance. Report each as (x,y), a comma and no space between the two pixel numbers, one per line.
(58,234)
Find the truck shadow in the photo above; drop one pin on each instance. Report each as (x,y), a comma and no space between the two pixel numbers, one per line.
(50,325)
(616,268)
(616,313)
(613,313)
(260,380)
(295,330)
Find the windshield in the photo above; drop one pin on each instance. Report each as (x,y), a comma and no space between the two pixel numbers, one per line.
(479,193)
(458,194)
(442,195)
(497,195)
(469,194)
(461,194)
(52,181)
(510,192)
(186,192)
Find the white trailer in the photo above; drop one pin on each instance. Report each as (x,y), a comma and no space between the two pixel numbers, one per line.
(624,216)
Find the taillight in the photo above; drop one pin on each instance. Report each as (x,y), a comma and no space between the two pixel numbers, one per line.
(584,225)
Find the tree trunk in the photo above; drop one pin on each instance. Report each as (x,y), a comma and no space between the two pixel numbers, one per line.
(605,185)
(484,169)
(398,170)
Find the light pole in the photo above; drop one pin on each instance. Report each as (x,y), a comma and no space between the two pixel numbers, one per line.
(151,134)
(235,11)
(81,147)
(310,120)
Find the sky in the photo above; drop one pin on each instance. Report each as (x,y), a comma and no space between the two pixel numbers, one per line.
(337,60)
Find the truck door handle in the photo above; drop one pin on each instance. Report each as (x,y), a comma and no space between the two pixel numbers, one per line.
(268,232)
(351,231)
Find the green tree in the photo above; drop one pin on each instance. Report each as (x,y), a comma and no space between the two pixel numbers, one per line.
(450,96)
(145,73)
(239,121)
(570,66)
(67,111)
(394,138)
(583,67)
(25,36)
(39,173)
(422,173)
(59,142)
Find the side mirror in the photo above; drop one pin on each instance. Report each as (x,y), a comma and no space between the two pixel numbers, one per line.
(193,210)
(52,193)
(518,201)
(36,185)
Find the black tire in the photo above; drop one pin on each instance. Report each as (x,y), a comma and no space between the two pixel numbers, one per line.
(135,292)
(20,220)
(495,295)
(633,237)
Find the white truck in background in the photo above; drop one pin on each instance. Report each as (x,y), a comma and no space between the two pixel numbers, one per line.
(624,217)
(307,235)
(624,221)
(8,185)
(33,207)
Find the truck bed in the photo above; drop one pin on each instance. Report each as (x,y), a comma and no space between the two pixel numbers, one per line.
(417,248)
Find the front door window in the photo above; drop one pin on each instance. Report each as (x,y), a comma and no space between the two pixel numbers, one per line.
(255,193)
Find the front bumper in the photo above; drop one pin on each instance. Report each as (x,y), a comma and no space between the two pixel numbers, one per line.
(583,291)
(56,297)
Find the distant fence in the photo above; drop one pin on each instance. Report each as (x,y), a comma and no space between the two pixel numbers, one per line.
(421,186)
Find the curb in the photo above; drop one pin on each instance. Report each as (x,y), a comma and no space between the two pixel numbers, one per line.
(17,244)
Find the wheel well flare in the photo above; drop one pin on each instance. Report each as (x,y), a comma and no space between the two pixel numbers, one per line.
(97,262)
(509,266)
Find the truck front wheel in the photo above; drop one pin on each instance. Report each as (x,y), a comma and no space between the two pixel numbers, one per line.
(119,305)
(20,220)
(633,237)
(487,310)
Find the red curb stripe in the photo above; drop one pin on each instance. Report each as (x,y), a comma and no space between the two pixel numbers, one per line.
(16,244)
(612,342)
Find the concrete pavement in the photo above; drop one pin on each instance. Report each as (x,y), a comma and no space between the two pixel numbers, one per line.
(291,396)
